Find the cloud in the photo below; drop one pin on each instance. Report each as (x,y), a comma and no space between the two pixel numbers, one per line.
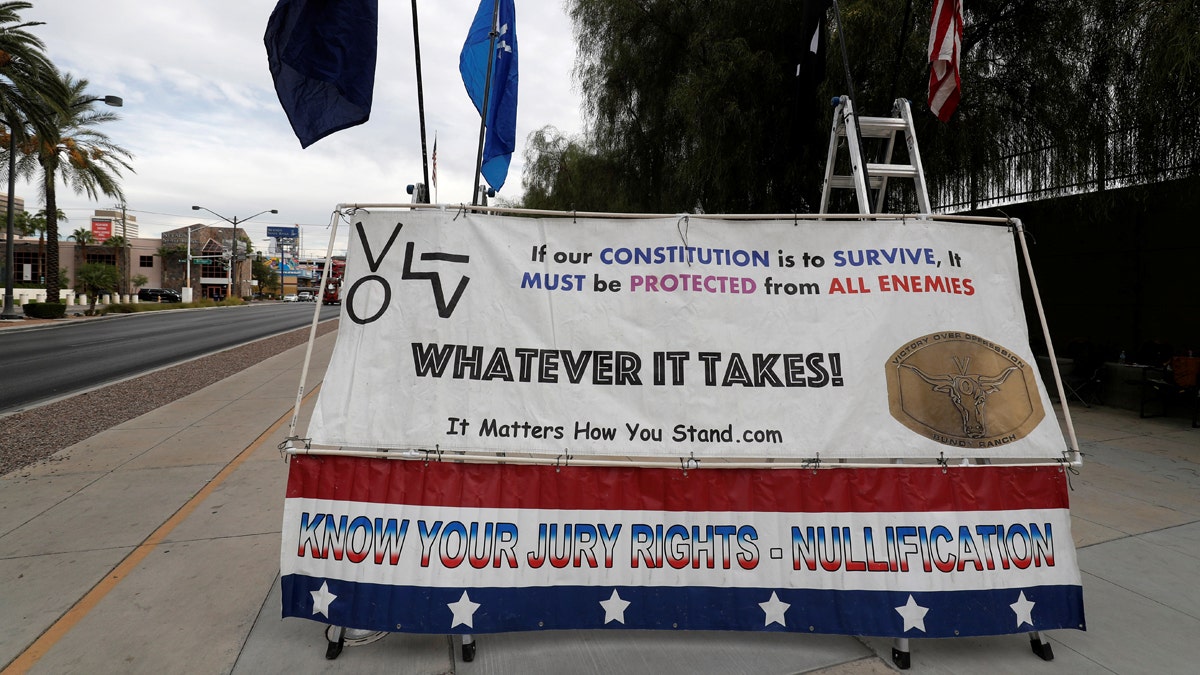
(205,127)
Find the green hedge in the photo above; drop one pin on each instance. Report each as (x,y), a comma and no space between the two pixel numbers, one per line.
(45,310)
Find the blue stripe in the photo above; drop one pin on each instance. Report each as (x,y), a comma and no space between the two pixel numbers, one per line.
(411,609)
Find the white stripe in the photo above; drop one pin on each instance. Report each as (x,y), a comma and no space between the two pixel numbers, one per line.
(941,93)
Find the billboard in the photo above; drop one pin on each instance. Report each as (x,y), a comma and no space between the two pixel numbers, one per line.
(102,230)
(684,337)
(277,232)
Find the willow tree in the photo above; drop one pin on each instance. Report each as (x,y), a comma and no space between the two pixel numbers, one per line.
(1057,98)
(695,102)
(563,172)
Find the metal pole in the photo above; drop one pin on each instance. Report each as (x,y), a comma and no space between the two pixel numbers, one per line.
(1019,228)
(334,219)
(233,263)
(487,90)
(420,99)
(125,237)
(187,266)
(9,311)
(865,208)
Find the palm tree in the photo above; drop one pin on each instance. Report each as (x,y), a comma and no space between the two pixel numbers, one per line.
(23,72)
(120,247)
(23,68)
(94,279)
(28,225)
(71,148)
(84,238)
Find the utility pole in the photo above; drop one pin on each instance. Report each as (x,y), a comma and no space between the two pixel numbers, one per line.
(187,268)
(126,247)
(233,262)
(233,255)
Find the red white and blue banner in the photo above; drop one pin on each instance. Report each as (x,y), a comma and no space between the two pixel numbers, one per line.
(683,336)
(444,547)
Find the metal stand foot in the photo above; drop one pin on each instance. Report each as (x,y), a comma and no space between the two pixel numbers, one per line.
(900,654)
(334,648)
(468,648)
(1040,647)
(340,637)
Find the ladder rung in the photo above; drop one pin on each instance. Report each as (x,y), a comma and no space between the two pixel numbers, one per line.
(879,127)
(892,170)
(847,182)
(877,172)
(882,122)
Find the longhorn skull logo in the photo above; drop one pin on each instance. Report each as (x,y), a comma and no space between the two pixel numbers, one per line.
(968,392)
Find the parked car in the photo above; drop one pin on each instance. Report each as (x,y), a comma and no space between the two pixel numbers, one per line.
(291,297)
(307,296)
(158,295)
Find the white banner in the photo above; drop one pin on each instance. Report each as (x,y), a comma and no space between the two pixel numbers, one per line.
(683,336)
(361,542)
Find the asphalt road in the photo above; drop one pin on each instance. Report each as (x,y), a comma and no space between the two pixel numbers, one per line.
(37,365)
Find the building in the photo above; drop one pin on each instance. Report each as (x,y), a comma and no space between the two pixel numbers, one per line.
(156,263)
(209,274)
(114,223)
(18,204)
(137,259)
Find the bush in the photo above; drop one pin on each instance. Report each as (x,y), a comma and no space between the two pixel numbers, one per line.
(45,310)
(131,308)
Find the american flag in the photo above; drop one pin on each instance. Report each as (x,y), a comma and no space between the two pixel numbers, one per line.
(434,178)
(945,45)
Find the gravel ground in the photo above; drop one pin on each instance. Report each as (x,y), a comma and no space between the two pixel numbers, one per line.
(32,435)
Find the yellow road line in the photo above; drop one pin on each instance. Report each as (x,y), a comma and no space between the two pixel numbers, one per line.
(34,653)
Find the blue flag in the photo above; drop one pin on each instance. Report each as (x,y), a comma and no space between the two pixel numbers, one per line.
(501,118)
(322,58)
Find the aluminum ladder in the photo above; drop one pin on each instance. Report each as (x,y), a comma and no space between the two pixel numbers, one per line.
(875,176)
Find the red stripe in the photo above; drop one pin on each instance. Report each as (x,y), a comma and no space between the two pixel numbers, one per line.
(637,489)
(943,16)
(947,16)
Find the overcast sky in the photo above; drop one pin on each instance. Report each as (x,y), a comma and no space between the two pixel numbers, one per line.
(205,127)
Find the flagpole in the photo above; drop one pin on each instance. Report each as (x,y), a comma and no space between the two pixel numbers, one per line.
(487,90)
(837,10)
(420,99)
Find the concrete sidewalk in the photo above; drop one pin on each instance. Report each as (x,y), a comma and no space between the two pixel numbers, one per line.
(153,547)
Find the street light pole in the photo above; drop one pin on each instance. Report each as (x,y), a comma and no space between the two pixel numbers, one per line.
(233,263)
(235,222)
(125,249)
(9,311)
(187,269)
